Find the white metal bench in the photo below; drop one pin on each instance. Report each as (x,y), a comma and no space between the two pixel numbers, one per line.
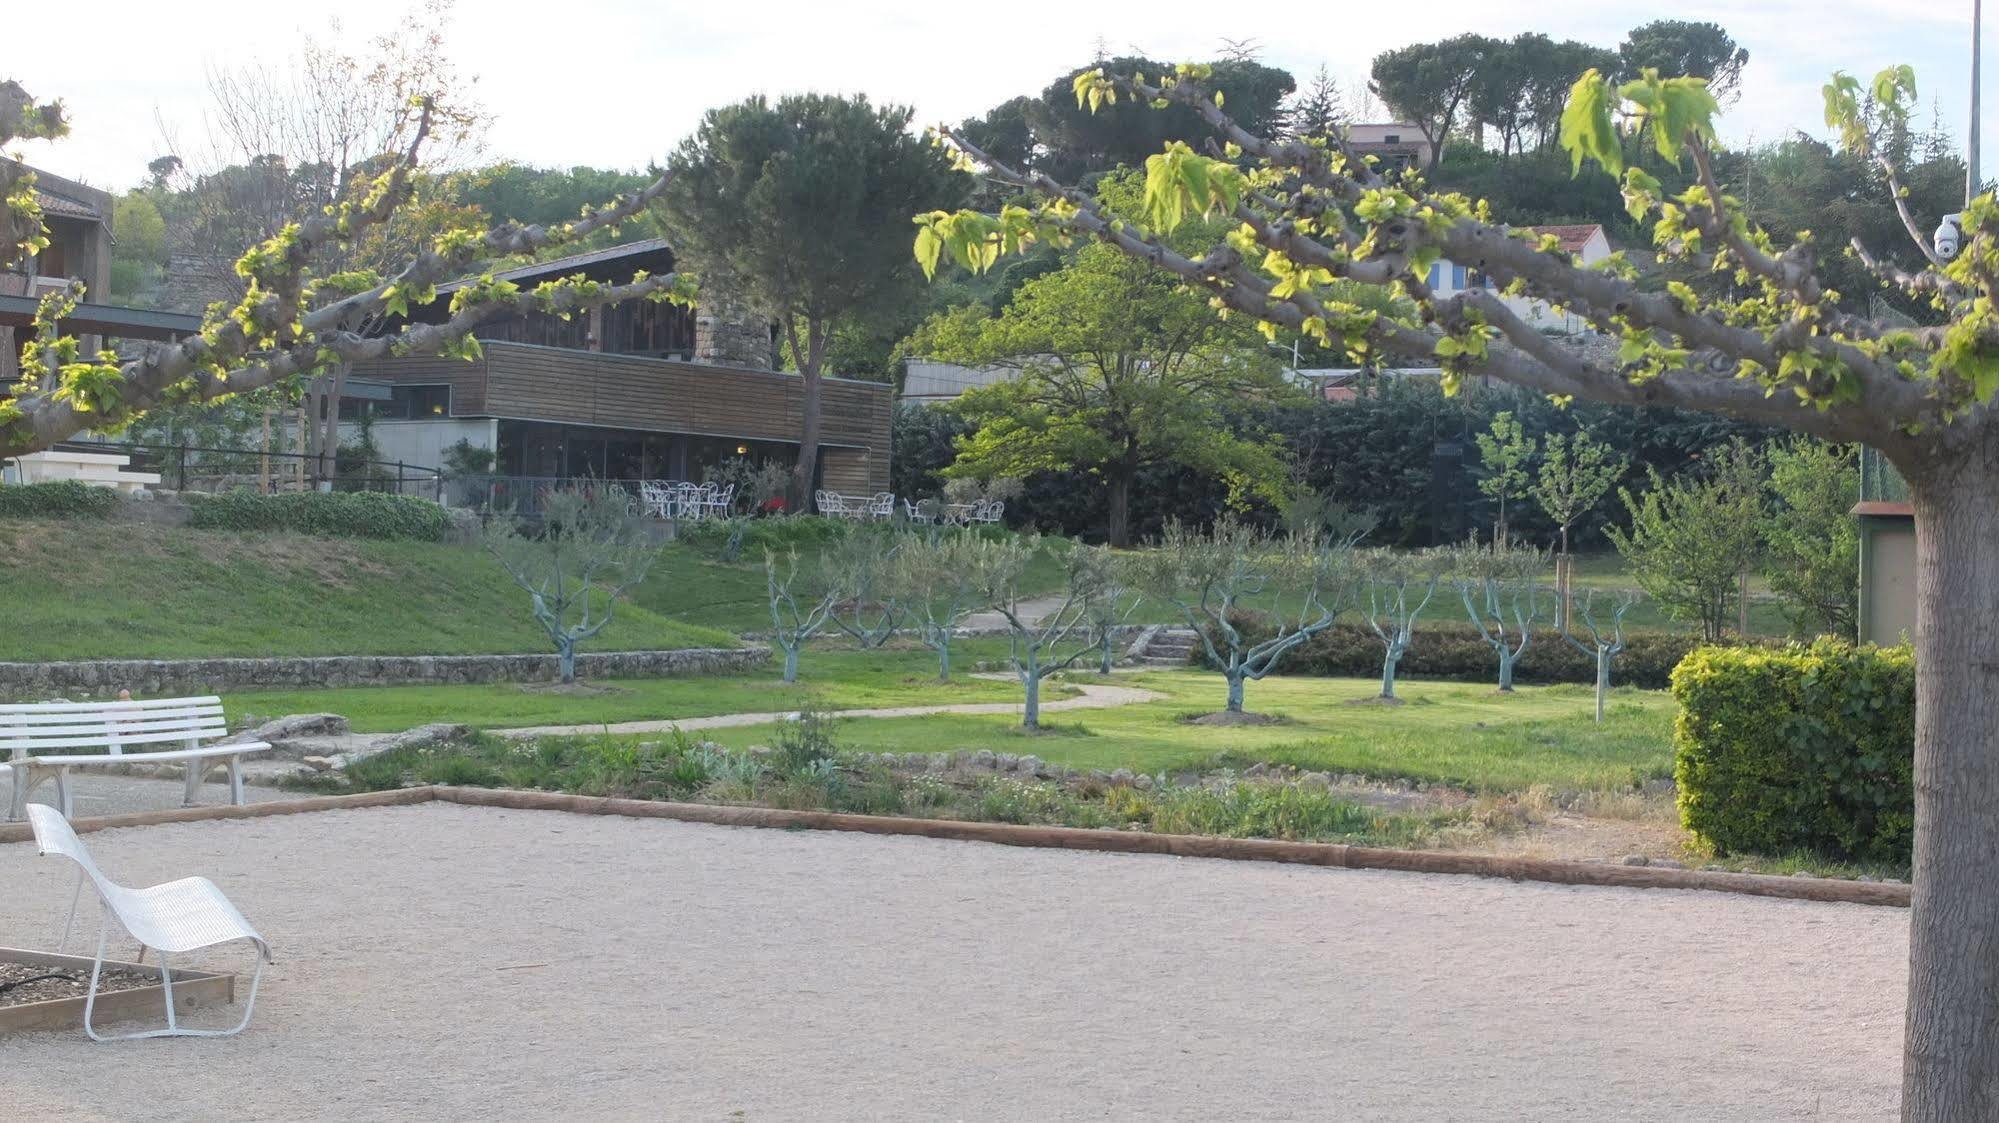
(28,732)
(176,917)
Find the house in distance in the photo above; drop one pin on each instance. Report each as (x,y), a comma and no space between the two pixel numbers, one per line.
(636,391)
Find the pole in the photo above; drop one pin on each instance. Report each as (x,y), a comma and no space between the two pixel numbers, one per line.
(1971,178)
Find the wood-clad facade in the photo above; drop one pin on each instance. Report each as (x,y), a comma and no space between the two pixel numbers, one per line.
(629,397)
(627,392)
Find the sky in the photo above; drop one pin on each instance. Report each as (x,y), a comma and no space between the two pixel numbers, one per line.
(615,83)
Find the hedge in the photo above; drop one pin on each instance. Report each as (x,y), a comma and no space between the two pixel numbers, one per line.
(58,499)
(1455,652)
(1806,748)
(326,514)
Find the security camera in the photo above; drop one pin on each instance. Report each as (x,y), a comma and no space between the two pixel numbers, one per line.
(1949,233)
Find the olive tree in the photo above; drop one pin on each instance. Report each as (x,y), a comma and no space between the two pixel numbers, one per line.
(1300,583)
(1769,343)
(1033,645)
(793,623)
(859,572)
(1501,587)
(940,576)
(1398,588)
(1605,644)
(1104,581)
(575,565)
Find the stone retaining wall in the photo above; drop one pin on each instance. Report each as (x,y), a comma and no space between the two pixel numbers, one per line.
(38,681)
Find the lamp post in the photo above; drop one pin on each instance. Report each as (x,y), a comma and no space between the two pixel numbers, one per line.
(1971,179)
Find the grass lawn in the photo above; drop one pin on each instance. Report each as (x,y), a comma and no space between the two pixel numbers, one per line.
(119,590)
(80,590)
(831,676)
(1452,732)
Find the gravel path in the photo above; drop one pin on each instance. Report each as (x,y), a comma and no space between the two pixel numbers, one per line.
(458,963)
(1089,696)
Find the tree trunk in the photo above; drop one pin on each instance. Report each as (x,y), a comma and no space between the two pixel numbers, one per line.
(943,646)
(791,664)
(804,476)
(1505,667)
(1235,693)
(1030,713)
(1118,498)
(1950,1060)
(565,650)
(1388,672)
(1602,681)
(1107,655)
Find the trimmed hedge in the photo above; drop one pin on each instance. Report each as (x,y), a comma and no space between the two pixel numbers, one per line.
(1455,652)
(325,514)
(57,499)
(1806,748)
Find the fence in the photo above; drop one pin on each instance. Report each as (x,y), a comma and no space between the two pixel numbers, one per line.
(190,467)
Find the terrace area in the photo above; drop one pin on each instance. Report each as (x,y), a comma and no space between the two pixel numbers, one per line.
(450,961)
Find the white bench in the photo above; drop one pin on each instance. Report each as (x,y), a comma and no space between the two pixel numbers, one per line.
(28,732)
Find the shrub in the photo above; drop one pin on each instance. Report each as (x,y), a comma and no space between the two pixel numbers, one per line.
(1454,652)
(57,499)
(1804,748)
(325,514)
(778,535)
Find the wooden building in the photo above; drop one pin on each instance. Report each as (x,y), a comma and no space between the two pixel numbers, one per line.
(635,391)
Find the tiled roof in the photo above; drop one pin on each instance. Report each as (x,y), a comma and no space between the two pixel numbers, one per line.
(63,206)
(1573,237)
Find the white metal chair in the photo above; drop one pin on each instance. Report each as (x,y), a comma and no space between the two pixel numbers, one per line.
(881,506)
(656,498)
(176,917)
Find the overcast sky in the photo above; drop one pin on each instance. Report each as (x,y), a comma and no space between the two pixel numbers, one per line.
(615,83)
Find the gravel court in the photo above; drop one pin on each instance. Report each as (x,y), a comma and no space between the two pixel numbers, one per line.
(449,962)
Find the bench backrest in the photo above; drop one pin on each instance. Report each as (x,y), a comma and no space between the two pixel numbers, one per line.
(56,726)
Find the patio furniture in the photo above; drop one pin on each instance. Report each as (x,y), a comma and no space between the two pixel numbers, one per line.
(923,513)
(656,498)
(715,504)
(173,918)
(115,726)
(881,505)
(988,511)
(687,501)
(959,514)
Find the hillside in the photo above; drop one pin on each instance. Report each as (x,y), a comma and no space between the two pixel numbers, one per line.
(106,590)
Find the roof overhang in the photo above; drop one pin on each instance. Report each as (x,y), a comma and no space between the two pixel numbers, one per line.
(1883,509)
(103,319)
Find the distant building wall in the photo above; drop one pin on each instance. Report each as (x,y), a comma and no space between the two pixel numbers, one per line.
(1887,578)
(422,443)
(930,383)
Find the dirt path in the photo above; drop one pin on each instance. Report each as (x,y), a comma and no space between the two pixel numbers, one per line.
(444,962)
(1031,612)
(1089,696)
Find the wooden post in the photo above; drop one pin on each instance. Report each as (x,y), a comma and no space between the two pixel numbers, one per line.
(264,457)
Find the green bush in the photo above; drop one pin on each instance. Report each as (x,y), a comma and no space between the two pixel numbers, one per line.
(1800,749)
(777,534)
(326,514)
(58,499)
(1456,653)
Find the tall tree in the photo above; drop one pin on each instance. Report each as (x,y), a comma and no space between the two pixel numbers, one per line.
(1115,367)
(1775,348)
(1318,109)
(1054,134)
(1431,85)
(1690,47)
(800,207)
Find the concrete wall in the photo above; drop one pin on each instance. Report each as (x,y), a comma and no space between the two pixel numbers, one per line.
(37,682)
(1887,579)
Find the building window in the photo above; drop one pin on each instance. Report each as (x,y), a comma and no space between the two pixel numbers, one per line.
(1392,138)
(406,403)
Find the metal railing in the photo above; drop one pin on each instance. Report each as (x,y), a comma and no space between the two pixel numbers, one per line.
(201,468)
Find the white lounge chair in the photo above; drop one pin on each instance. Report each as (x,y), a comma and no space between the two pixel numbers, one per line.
(176,917)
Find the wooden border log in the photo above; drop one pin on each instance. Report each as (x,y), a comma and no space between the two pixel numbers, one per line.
(1203,846)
